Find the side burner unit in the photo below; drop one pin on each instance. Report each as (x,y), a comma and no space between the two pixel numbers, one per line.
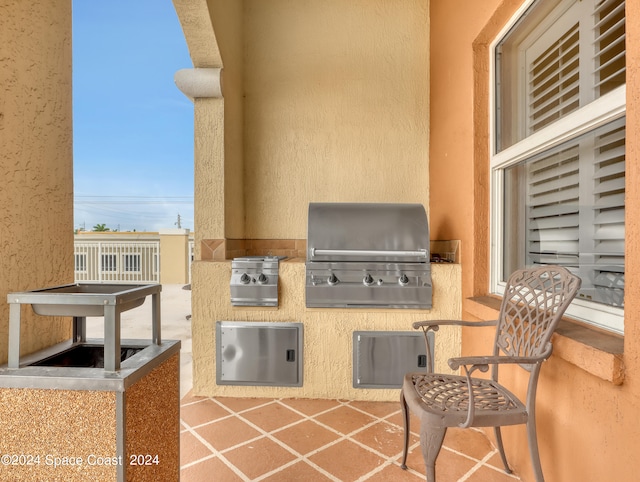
(368,255)
(254,280)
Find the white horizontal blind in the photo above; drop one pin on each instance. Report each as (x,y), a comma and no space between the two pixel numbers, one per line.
(554,80)
(608,206)
(575,211)
(553,208)
(609,45)
(578,59)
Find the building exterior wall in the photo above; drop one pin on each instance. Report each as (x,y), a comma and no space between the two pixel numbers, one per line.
(36,164)
(174,256)
(162,257)
(579,412)
(311,93)
(336,108)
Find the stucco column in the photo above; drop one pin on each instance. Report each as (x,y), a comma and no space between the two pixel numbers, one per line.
(204,87)
(36,161)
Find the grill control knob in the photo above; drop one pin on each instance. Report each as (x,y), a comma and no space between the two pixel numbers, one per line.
(368,280)
(333,279)
(245,279)
(404,280)
(262,278)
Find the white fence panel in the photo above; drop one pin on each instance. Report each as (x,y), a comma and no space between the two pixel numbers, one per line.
(117,262)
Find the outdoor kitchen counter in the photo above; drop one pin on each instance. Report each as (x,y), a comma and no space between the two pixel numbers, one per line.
(327,332)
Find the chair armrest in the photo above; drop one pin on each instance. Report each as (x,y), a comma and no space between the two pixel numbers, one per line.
(484,361)
(434,325)
(430,324)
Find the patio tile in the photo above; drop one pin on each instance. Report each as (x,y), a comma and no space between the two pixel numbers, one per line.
(227,433)
(384,437)
(240,404)
(300,471)
(345,419)
(271,417)
(310,407)
(259,457)
(306,437)
(334,440)
(205,470)
(346,460)
(202,411)
(378,409)
(192,449)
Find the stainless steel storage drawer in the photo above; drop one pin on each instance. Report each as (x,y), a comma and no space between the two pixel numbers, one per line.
(381,358)
(259,353)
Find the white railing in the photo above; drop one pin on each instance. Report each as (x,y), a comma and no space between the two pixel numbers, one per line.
(117,262)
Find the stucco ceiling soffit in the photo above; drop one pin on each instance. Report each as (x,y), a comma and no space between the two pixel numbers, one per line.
(198,31)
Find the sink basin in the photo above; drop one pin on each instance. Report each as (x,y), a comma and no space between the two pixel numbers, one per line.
(85,356)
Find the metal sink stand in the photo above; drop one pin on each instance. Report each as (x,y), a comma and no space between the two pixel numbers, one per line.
(80,301)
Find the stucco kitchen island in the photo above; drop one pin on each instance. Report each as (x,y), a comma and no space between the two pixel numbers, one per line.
(327,332)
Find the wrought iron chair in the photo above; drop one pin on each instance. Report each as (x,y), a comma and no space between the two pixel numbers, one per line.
(533,303)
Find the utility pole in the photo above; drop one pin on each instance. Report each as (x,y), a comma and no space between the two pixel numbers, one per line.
(178,222)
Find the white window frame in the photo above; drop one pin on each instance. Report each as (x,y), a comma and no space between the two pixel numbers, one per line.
(80,261)
(127,265)
(601,111)
(113,265)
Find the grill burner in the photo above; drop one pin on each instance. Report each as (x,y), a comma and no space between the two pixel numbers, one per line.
(254,280)
(368,255)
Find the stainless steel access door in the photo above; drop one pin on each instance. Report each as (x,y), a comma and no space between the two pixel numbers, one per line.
(259,353)
(381,358)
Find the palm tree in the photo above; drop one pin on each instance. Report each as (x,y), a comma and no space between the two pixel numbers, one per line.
(101,227)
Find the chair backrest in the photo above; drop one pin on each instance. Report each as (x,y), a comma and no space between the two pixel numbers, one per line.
(534,301)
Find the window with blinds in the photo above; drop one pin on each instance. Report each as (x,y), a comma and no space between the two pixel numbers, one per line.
(559,164)
(573,211)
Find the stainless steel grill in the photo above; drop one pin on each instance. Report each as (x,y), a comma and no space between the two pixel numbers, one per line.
(368,255)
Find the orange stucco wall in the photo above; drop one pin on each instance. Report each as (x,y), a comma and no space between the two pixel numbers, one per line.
(587,427)
(36,166)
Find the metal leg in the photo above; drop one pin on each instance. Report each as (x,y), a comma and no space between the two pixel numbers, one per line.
(407,433)
(14,336)
(533,448)
(155,319)
(431,439)
(121,436)
(111,338)
(79,329)
(503,456)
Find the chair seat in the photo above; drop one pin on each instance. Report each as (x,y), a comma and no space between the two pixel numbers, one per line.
(447,398)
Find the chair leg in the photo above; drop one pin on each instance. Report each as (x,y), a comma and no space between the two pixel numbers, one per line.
(503,456)
(431,439)
(405,418)
(533,449)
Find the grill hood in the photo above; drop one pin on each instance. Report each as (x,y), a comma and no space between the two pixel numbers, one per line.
(367,232)
(368,255)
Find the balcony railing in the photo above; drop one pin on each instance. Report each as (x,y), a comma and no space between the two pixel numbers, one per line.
(117,262)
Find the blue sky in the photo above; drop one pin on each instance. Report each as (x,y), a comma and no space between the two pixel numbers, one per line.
(133,128)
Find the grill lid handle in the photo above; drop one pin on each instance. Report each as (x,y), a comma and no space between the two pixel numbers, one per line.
(421,253)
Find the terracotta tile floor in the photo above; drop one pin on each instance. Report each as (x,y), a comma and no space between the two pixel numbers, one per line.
(243,439)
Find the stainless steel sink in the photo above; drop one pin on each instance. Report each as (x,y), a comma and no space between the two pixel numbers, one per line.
(83,299)
(80,301)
